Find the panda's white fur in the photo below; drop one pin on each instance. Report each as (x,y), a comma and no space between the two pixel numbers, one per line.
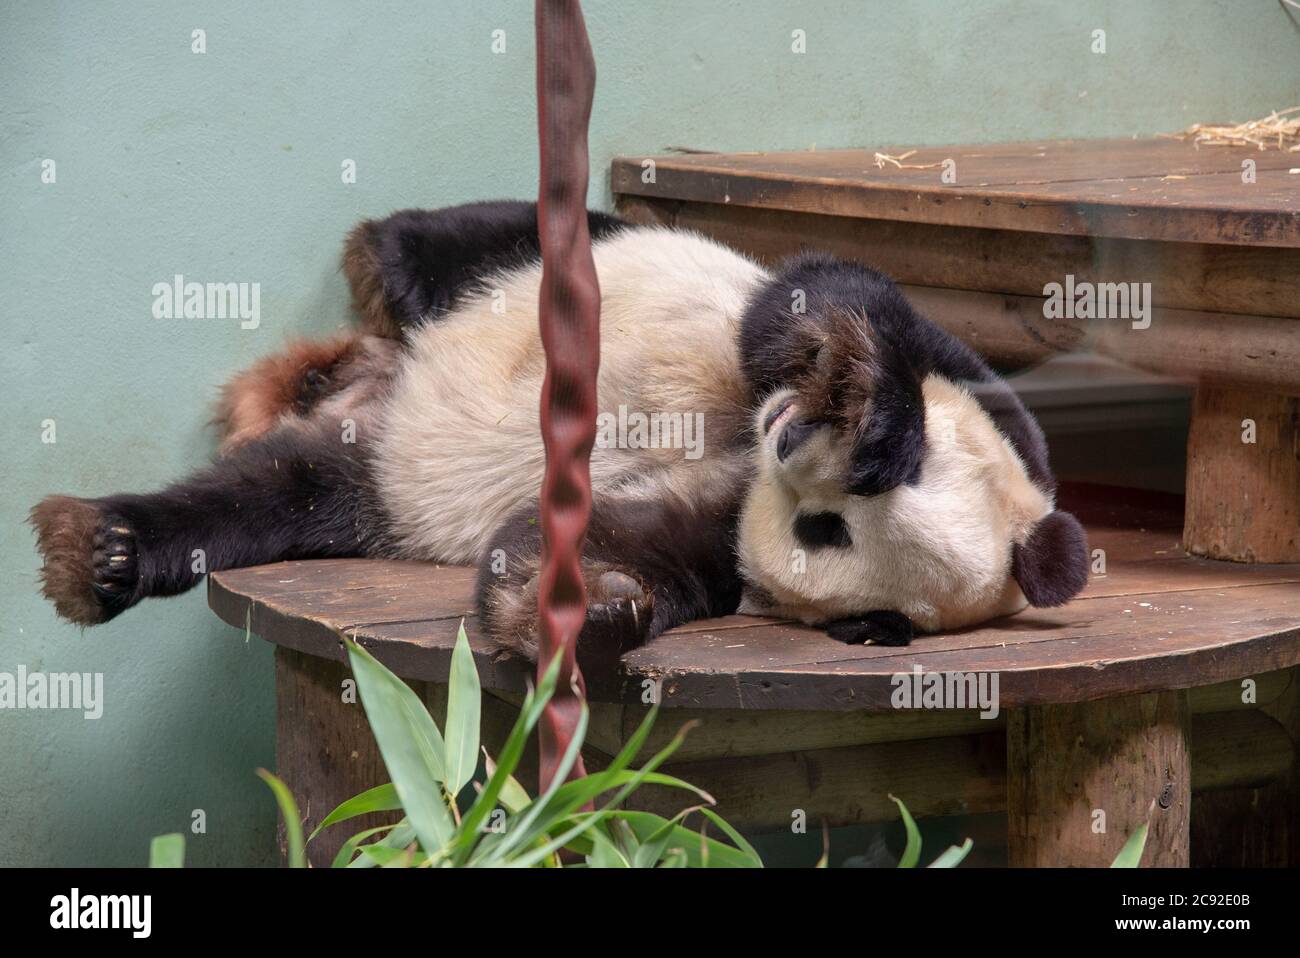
(460,448)
(938,551)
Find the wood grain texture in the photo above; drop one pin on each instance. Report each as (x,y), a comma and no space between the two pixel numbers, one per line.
(1243,498)
(1083,777)
(735,733)
(1153,189)
(968,774)
(1157,619)
(324,749)
(1264,281)
(1222,314)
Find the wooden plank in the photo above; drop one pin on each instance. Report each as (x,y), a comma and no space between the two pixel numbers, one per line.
(1157,619)
(959,775)
(1210,617)
(731,733)
(1253,351)
(1149,190)
(1082,778)
(1205,330)
(982,164)
(1263,281)
(1093,647)
(1243,497)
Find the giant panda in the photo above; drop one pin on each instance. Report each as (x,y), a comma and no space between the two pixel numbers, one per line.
(862,470)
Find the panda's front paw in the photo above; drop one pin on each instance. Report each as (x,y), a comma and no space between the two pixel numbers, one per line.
(882,627)
(619,611)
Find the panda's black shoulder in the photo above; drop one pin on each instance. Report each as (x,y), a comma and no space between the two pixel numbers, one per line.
(414,264)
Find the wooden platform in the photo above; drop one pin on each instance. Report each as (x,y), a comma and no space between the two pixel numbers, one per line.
(1170,674)
(1119,188)
(1167,695)
(1157,619)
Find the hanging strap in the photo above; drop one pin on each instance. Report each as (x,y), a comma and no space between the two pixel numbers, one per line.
(569,314)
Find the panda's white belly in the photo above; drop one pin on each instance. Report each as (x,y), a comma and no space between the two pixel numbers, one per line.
(460,448)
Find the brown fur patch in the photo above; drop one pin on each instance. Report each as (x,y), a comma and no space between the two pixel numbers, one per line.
(65,534)
(256,400)
(362,268)
(840,384)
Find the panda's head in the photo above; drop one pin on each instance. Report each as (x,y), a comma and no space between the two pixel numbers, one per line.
(895,471)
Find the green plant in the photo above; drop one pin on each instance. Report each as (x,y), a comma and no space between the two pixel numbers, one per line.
(1130,856)
(501,825)
(951,858)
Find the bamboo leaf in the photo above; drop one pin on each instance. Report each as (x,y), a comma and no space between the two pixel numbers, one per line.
(292,820)
(400,837)
(462,726)
(953,856)
(411,746)
(167,851)
(344,856)
(912,850)
(736,838)
(600,814)
(604,853)
(381,798)
(652,849)
(539,816)
(511,753)
(1130,856)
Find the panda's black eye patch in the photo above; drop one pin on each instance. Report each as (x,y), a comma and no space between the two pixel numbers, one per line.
(820,530)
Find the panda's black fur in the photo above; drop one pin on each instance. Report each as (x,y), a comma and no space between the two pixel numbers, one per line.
(655,557)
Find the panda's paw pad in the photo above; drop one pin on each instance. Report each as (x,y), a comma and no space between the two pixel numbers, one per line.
(881,627)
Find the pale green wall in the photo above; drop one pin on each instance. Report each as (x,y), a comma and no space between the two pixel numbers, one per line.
(226,167)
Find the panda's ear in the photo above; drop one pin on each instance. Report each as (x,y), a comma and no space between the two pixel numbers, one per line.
(1051,566)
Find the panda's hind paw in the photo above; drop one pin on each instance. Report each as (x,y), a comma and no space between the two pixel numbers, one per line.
(882,627)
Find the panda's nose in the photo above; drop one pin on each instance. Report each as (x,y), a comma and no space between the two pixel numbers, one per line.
(793,436)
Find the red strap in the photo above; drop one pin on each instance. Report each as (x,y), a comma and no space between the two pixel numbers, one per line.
(569,314)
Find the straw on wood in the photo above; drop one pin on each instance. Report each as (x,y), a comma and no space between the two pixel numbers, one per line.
(1279,130)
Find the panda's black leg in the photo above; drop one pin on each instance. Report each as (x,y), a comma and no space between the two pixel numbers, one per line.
(412,266)
(649,564)
(294,494)
(881,627)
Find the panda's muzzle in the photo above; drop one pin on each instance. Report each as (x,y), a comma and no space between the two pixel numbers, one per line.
(794,435)
(777,412)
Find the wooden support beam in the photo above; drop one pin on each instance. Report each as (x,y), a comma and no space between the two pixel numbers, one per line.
(1083,777)
(324,749)
(1243,476)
